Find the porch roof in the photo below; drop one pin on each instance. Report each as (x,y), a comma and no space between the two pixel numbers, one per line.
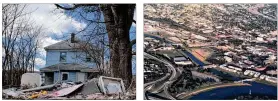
(68,66)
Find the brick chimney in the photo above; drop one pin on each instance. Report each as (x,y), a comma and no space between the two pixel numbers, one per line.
(72,38)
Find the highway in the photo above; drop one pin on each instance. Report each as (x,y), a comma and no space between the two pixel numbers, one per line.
(160,86)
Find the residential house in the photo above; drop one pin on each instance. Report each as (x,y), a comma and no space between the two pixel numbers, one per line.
(66,61)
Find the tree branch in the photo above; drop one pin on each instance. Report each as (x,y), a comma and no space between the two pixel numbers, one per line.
(92,21)
(75,6)
(132,42)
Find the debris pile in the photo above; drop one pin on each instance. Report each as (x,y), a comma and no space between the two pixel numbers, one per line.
(102,88)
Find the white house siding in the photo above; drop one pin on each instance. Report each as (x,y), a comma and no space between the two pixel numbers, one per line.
(56,77)
(53,57)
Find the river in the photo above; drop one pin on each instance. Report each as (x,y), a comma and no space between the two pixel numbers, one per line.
(232,92)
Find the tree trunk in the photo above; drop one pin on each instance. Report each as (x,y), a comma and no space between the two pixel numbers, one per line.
(119,18)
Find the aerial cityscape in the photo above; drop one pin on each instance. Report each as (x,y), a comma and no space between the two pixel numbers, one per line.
(210,51)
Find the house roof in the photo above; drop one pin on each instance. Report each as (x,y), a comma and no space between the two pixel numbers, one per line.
(77,44)
(65,45)
(68,66)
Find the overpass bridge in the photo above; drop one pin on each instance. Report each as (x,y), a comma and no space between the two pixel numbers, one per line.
(160,86)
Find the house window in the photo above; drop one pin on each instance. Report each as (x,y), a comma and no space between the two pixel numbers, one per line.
(63,56)
(88,58)
(65,76)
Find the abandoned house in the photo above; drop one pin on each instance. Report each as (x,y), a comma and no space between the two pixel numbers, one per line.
(67,62)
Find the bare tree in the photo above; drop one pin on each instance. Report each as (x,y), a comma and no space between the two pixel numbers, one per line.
(95,48)
(117,19)
(20,43)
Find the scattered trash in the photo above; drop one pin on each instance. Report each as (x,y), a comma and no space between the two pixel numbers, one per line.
(11,92)
(66,91)
(65,85)
(40,88)
(102,88)
(96,96)
(36,94)
(90,87)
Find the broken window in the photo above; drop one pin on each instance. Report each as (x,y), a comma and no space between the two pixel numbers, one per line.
(88,58)
(65,76)
(63,56)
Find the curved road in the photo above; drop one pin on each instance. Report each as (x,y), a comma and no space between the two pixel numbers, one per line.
(161,86)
